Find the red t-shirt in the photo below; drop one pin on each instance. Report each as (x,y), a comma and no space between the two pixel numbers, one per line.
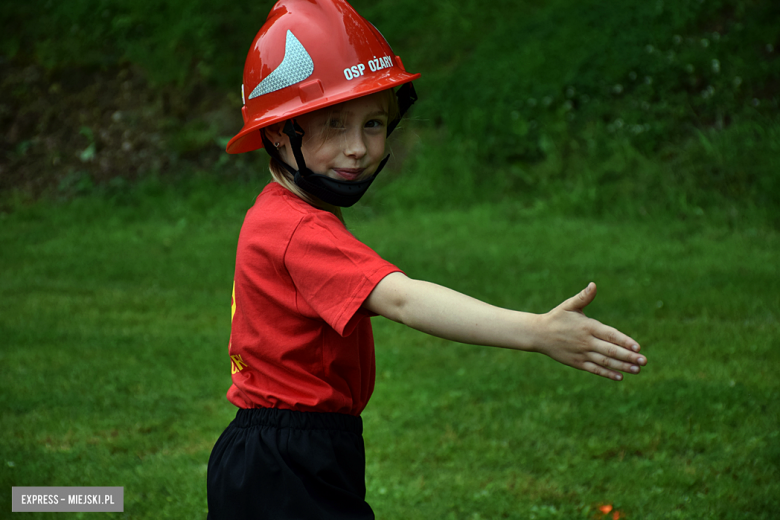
(299,338)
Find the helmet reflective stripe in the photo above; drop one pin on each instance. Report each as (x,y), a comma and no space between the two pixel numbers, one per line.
(296,66)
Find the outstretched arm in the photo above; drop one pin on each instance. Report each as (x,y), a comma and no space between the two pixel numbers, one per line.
(565,333)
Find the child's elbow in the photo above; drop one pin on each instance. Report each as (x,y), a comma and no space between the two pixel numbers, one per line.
(389,298)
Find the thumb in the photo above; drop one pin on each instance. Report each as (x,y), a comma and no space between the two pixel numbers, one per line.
(581,300)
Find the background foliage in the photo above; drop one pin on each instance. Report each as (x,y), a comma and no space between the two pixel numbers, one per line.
(634,108)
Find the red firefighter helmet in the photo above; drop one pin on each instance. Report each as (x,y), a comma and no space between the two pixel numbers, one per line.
(308,55)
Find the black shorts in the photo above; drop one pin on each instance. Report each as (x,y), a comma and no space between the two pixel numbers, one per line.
(283,464)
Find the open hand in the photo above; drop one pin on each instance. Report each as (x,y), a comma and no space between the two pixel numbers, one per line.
(587,344)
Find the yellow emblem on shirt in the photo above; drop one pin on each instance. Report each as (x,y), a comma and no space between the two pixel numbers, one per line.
(233,303)
(236,363)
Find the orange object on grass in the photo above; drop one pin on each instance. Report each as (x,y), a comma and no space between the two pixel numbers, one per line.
(605,508)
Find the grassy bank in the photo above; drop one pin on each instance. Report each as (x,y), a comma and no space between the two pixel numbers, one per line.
(114,316)
(659,108)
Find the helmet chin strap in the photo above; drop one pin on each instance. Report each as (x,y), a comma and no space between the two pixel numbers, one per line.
(333,191)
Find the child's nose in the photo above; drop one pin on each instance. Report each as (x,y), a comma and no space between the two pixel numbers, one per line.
(355,145)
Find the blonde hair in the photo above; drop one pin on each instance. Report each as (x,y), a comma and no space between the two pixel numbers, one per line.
(285,178)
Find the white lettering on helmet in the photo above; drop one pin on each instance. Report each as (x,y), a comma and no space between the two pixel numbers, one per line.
(385,62)
(374,65)
(354,71)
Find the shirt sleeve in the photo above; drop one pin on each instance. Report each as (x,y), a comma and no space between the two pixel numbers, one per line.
(333,271)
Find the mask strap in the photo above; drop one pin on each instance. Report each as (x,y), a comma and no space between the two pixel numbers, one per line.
(296,133)
(274,152)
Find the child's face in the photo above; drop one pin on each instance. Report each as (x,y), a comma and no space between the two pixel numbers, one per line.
(344,142)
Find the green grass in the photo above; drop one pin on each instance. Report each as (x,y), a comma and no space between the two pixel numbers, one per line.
(114,320)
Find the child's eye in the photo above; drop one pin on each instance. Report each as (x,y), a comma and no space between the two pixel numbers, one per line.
(336,123)
(374,123)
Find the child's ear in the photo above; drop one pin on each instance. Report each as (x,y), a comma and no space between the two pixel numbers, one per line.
(275,135)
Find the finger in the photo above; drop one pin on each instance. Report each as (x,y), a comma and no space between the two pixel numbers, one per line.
(581,300)
(604,350)
(614,336)
(611,360)
(599,370)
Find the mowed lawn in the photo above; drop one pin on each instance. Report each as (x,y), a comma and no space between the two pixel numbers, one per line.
(114,323)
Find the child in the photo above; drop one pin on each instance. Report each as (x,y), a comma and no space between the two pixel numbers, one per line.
(318,97)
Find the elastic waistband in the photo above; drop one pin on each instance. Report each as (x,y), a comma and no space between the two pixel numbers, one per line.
(295,420)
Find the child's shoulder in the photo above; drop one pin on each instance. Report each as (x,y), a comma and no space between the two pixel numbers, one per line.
(278,204)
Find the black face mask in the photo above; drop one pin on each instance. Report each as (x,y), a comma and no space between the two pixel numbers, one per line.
(332,191)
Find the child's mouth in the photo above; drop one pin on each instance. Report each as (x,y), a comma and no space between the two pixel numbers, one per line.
(349,174)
